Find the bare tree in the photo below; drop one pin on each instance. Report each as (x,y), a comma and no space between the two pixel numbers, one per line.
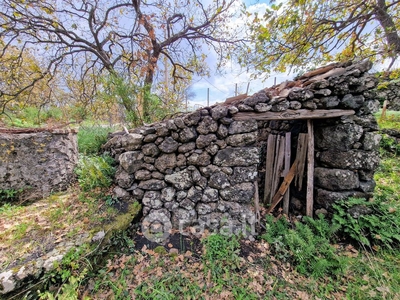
(119,36)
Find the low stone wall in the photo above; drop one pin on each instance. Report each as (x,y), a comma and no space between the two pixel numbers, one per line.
(202,168)
(37,163)
(389,90)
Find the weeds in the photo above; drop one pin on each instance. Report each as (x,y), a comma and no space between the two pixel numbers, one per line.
(307,246)
(95,171)
(9,195)
(221,254)
(91,138)
(370,223)
(111,200)
(67,291)
(68,275)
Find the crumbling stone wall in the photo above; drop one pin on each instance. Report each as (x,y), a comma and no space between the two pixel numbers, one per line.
(38,163)
(202,168)
(389,90)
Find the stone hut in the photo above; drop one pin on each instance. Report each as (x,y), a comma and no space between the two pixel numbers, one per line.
(311,142)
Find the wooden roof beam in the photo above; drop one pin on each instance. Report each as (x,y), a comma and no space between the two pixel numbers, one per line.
(290,114)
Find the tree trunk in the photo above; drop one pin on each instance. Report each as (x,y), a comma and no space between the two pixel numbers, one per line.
(386,21)
(148,82)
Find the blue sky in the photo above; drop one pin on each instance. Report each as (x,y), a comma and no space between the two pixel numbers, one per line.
(222,86)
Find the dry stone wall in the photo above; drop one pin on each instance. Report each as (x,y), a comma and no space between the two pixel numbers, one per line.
(199,168)
(37,163)
(202,168)
(389,90)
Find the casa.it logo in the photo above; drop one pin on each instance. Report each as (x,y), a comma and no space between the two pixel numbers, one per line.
(156,227)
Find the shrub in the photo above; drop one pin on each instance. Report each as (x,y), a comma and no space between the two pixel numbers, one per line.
(95,171)
(378,224)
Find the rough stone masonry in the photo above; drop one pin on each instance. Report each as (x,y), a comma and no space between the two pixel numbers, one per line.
(201,168)
(37,163)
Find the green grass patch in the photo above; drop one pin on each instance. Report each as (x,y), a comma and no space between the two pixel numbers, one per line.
(387,180)
(391,121)
(373,276)
(91,138)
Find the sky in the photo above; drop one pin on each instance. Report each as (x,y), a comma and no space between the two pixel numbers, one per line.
(218,87)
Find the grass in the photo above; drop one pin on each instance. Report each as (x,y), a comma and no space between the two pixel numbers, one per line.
(387,176)
(149,275)
(391,121)
(59,216)
(92,137)
(387,179)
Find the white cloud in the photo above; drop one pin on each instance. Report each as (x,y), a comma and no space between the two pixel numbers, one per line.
(223,85)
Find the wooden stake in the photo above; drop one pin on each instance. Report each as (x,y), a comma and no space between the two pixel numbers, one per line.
(257,202)
(269,167)
(283,188)
(286,197)
(301,156)
(287,153)
(383,115)
(310,170)
(278,164)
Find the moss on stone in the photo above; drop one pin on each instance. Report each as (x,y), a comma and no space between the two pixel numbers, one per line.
(120,222)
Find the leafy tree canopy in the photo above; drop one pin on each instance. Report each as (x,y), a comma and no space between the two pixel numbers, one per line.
(22,81)
(298,33)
